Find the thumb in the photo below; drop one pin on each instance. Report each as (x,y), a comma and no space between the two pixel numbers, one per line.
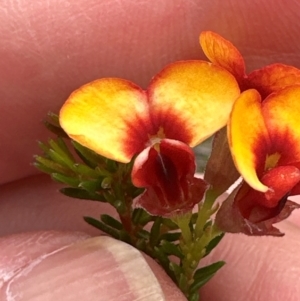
(71,266)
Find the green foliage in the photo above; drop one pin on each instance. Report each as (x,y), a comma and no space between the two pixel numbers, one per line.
(204,274)
(176,244)
(213,243)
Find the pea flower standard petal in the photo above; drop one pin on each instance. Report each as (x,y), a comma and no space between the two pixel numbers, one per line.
(180,109)
(264,140)
(266,80)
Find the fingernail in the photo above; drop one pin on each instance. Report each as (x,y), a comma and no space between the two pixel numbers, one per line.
(19,250)
(98,268)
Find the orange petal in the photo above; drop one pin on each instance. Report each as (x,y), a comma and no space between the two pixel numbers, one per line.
(191,100)
(281,112)
(273,78)
(248,138)
(223,53)
(110,116)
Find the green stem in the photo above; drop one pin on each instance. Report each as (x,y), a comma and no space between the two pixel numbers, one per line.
(207,236)
(204,211)
(183,222)
(194,241)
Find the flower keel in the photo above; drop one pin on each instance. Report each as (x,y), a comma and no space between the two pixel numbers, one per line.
(166,170)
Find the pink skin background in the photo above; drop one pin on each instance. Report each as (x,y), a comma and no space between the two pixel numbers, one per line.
(49,48)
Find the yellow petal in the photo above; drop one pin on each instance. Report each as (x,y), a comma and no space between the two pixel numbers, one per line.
(110,116)
(281,112)
(248,138)
(273,78)
(223,53)
(191,100)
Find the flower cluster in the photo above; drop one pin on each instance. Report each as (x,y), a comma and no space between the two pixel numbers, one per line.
(187,102)
(134,150)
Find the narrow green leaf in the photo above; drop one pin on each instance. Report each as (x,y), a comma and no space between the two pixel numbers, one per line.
(111,199)
(91,186)
(103,172)
(141,244)
(85,170)
(204,274)
(213,243)
(164,262)
(43,168)
(141,217)
(194,218)
(54,119)
(101,226)
(55,167)
(44,147)
(82,194)
(64,148)
(171,236)
(110,221)
(171,249)
(194,297)
(58,131)
(143,234)
(124,236)
(182,282)
(208,224)
(176,269)
(63,160)
(66,180)
(106,183)
(60,148)
(155,231)
(53,125)
(112,166)
(136,215)
(88,156)
(169,223)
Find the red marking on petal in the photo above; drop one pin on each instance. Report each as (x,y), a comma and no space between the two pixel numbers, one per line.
(137,135)
(174,127)
(281,111)
(185,100)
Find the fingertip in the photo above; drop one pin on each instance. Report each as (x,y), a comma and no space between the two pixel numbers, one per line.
(98,268)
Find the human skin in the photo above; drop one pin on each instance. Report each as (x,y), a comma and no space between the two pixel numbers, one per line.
(48,49)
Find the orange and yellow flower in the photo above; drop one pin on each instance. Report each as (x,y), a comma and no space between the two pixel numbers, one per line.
(184,104)
(264,140)
(263,135)
(266,80)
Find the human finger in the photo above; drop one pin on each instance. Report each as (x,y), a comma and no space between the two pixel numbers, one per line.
(71,266)
(258,268)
